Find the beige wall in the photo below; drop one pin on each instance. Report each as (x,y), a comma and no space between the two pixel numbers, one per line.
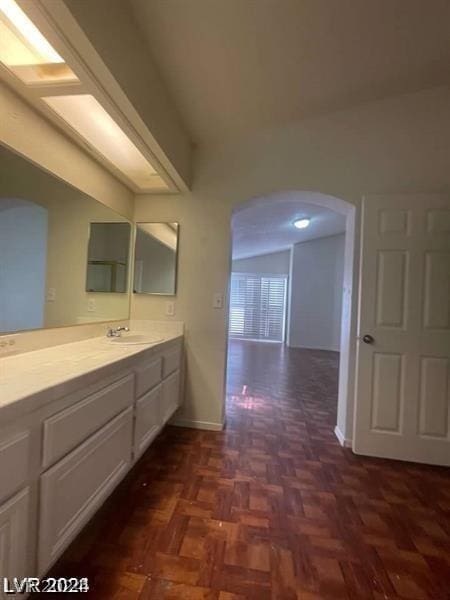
(69,215)
(400,144)
(316,285)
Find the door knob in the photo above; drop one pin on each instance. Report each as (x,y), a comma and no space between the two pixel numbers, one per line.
(368,339)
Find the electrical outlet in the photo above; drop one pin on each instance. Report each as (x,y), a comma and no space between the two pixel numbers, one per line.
(91,305)
(170,309)
(6,344)
(218,300)
(51,294)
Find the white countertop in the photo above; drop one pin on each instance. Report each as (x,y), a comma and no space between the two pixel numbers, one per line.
(45,375)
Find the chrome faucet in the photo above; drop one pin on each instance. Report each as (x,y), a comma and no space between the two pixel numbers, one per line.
(116,332)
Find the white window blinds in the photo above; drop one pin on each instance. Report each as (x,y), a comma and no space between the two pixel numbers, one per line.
(257,307)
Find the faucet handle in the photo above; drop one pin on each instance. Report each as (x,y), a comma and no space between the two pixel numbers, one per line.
(111,332)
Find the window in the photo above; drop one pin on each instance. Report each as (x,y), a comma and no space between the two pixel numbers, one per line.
(257,307)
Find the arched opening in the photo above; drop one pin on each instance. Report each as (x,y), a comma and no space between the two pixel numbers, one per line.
(263,226)
(23,264)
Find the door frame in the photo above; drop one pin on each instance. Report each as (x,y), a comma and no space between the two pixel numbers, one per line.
(349,316)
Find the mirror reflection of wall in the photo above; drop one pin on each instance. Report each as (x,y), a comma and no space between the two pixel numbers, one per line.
(108,256)
(44,234)
(155,260)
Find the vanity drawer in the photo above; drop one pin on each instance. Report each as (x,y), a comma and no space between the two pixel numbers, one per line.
(148,420)
(171,361)
(68,428)
(74,488)
(14,463)
(147,376)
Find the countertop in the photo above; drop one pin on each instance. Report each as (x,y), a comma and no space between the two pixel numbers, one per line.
(31,379)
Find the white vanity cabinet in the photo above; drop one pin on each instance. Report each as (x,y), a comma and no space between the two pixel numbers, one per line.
(170,395)
(68,428)
(19,460)
(148,420)
(148,374)
(76,486)
(14,538)
(60,462)
(15,456)
(158,394)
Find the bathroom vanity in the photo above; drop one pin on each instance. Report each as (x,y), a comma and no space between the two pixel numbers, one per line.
(74,419)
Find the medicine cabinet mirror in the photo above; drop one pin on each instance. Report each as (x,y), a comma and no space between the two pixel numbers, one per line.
(155,258)
(108,257)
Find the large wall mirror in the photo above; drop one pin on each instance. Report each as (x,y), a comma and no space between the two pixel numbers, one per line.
(155,258)
(50,236)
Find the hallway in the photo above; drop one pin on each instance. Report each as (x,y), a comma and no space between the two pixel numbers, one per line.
(272,507)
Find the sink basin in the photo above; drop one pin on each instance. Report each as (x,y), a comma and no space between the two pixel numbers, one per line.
(131,339)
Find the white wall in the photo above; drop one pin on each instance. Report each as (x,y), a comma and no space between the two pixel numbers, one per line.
(275,263)
(316,285)
(23,264)
(396,145)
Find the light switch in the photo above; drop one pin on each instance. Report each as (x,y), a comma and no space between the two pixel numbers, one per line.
(218,300)
(91,305)
(51,294)
(170,309)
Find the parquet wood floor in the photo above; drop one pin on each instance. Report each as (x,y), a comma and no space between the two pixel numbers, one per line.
(270,508)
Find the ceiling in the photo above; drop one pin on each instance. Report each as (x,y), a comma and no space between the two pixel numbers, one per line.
(237,66)
(265,225)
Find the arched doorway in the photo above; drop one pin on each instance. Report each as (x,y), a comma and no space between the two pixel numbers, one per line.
(298,201)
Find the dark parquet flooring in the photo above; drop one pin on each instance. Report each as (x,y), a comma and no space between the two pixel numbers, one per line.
(270,508)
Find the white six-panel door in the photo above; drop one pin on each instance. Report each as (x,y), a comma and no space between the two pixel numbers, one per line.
(403,376)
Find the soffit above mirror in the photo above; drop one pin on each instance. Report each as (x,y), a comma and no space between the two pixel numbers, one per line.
(43,67)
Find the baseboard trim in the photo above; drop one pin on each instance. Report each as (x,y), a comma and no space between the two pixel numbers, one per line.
(206,425)
(314,348)
(344,442)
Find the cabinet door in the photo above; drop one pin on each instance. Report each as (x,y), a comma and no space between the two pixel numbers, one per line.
(171,360)
(148,420)
(76,486)
(148,376)
(14,543)
(170,395)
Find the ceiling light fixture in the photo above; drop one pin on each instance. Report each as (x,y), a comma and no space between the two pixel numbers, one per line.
(85,115)
(26,52)
(302,223)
